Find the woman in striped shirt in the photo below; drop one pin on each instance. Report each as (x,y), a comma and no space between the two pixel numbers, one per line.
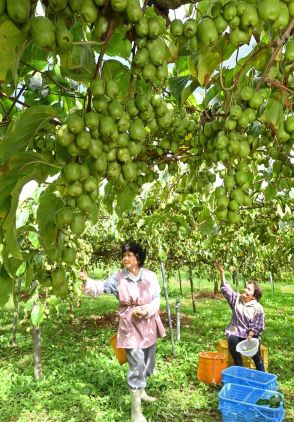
(248,319)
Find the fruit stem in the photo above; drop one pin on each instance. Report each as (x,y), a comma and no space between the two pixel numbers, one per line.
(221,80)
(41,162)
(88,42)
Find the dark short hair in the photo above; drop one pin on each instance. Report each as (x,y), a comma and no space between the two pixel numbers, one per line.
(257,290)
(137,250)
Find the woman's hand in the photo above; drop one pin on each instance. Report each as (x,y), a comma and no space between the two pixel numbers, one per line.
(139,313)
(219,266)
(250,335)
(83,275)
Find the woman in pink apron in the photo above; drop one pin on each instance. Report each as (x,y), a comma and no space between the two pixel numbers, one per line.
(138,292)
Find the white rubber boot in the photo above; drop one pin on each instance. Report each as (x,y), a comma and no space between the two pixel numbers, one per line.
(145,397)
(136,412)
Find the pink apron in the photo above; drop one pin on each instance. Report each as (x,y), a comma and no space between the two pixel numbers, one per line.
(135,333)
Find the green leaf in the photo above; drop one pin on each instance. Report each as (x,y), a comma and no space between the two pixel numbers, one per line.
(162,254)
(203,7)
(109,195)
(78,63)
(118,45)
(124,200)
(29,275)
(181,222)
(208,61)
(181,67)
(270,192)
(210,95)
(171,50)
(37,314)
(94,214)
(26,228)
(49,204)
(206,222)
(23,129)
(36,57)
(176,86)
(12,42)
(6,286)
(273,111)
(113,69)
(9,225)
(188,91)
(34,239)
(13,265)
(24,167)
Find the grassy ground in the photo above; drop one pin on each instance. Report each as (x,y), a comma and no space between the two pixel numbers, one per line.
(84,383)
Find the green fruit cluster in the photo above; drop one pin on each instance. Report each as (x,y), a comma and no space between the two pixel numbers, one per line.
(17,11)
(59,282)
(149,60)
(235,192)
(238,19)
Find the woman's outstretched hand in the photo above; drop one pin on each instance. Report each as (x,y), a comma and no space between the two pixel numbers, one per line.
(83,275)
(219,266)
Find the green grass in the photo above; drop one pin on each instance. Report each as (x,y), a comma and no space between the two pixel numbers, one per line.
(84,383)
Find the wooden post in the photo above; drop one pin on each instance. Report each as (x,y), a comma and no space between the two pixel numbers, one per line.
(192,288)
(167,308)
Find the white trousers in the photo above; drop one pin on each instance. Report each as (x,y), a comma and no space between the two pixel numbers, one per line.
(141,365)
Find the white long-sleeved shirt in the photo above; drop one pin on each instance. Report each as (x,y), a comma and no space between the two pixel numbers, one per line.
(97,287)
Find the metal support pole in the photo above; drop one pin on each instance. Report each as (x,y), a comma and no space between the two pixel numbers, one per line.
(167,308)
(272,282)
(178,320)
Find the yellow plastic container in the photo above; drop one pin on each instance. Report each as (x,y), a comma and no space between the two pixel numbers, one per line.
(210,366)
(222,347)
(120,353)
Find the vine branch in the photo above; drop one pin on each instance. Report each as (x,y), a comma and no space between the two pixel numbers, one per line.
(106,39)
(279,43)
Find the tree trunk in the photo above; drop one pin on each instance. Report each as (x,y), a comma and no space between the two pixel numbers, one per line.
(236,279)
(180,281)
(215,288)
(71,301)
(192,288)
(167,308)
(16,312)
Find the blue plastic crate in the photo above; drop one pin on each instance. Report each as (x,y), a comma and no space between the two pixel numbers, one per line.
(251,377)
(237,403)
